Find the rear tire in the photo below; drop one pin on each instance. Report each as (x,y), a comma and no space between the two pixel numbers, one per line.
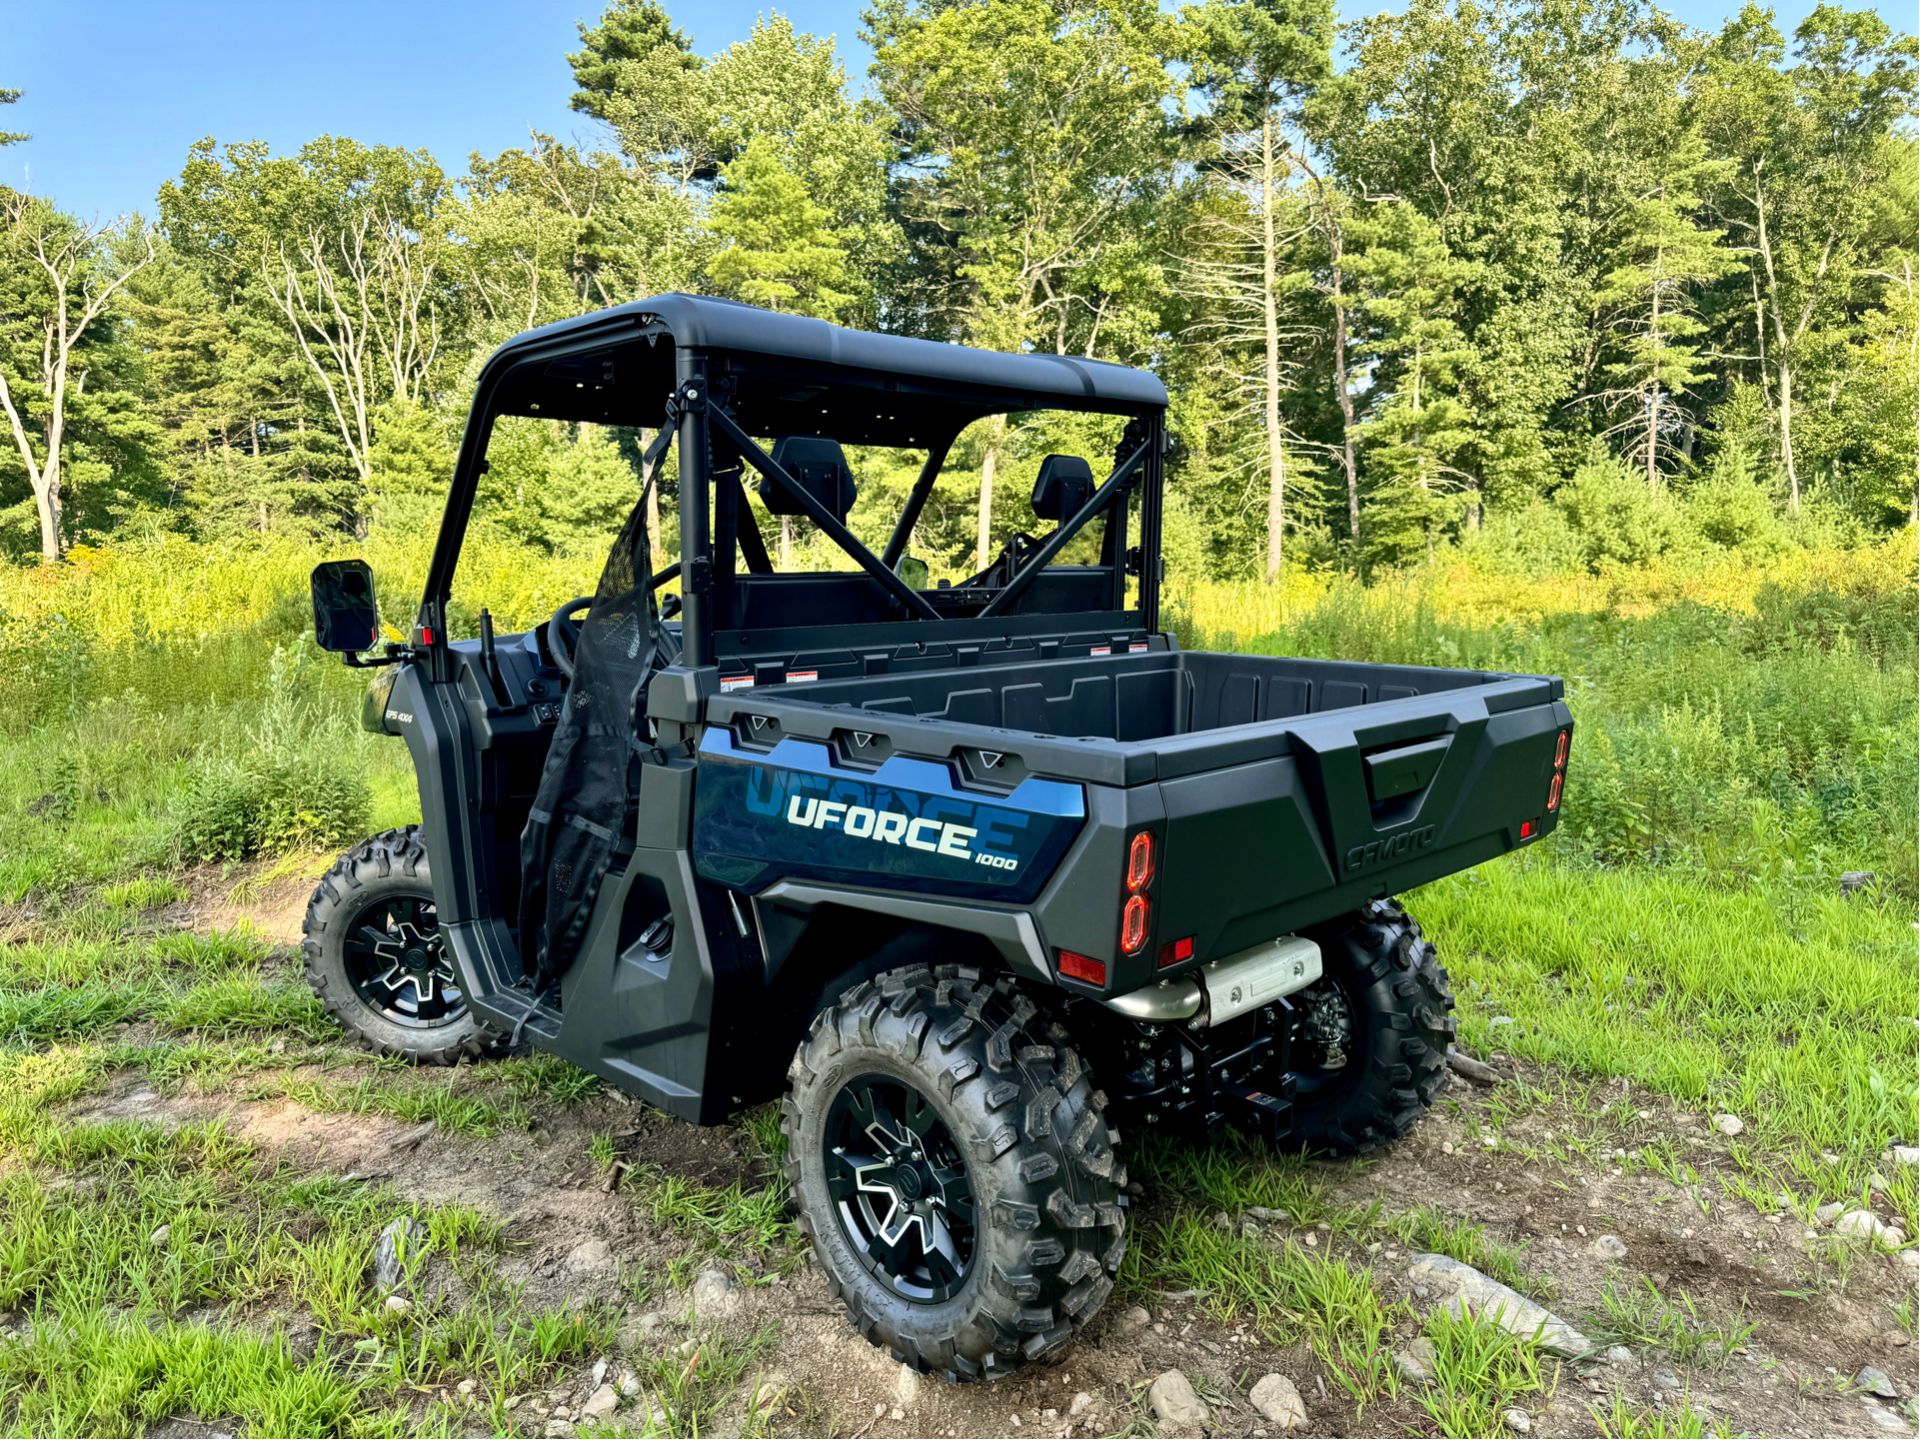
(1005,1111)
(373,953)
(1370,1048)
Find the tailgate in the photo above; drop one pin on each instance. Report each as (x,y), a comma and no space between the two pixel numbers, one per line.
(1357,802)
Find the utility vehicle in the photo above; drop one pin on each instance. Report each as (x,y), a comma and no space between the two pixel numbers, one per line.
(972,872)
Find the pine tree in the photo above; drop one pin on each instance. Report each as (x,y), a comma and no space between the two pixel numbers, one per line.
(1646,305)
(1416,423)
(776,247)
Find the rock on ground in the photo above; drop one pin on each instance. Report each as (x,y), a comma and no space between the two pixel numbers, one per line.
(714,1295)
(1175,1405)
(1876,1381)
(1517,1421)
(1132,1320)
(602,1403)
(1463,1288)
(1277,1398)
(1865,1225)
(388,1268)
(1415,1363)
(1905,1154)
(589,1257)
(1609,1247)
(906,1385)
(1729,1125)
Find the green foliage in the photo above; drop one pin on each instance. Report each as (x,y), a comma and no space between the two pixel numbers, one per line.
(293,784)
(775,247)
(1621,520)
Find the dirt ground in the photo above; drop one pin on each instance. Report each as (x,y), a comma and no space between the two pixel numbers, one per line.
(569,1237)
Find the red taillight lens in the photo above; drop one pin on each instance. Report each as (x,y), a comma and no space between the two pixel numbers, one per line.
(1527,828)
(1176,951)
(1140,862)
(1560,752)
(1133,925)
(1076,966)
(1553,795)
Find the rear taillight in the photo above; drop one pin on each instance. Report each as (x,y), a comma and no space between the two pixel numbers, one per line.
(1559,769)
(1176,952)
(1140,862)
(1135,909)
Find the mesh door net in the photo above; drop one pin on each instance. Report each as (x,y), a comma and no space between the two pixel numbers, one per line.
(583,817)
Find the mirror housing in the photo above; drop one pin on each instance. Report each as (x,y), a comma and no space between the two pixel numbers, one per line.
(913,571)
(346,621)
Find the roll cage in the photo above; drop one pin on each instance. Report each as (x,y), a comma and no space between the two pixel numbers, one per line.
(711,375)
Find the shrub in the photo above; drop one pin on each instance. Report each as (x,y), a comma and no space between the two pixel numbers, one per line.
(1620,521)
(298,783)
(1730,506)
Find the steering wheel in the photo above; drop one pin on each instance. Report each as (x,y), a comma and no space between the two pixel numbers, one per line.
(562,633)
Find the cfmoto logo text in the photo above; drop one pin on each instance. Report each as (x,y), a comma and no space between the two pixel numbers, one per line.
(1392,847)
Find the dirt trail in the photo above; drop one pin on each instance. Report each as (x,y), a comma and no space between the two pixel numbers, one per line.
(568,1238)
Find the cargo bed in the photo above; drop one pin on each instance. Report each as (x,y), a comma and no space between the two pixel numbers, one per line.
(1289,790)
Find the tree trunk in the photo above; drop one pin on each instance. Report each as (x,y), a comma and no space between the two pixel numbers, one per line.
(1342,391)
(989,463)
(1653,390)
(1270,315)
(1785,406)
(48,501)
(786,542)
(1653,429)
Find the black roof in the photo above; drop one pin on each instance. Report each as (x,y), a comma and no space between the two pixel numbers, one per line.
(747,331)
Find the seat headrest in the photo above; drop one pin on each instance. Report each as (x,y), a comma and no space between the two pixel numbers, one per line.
(1065,484)
(820,465)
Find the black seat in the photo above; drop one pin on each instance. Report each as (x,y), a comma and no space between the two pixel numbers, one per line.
(820,466)
(1065,484)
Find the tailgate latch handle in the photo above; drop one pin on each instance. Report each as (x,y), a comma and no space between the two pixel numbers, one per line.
(1405,769)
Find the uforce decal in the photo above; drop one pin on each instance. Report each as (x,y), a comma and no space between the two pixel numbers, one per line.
(890,827)
(1391,848)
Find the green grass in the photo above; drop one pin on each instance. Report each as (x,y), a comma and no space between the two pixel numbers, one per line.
(1622,1421)
(1742,738)
(1479,1372)
(1641,1315)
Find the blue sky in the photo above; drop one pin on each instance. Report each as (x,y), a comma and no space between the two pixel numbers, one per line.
(116,90)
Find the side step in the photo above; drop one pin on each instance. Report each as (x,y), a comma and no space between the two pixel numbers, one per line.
(518,1009)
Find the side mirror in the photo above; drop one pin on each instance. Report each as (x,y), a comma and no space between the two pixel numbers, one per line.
(345,619)
(913,571)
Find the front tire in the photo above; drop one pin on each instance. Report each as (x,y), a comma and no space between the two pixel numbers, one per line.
(982,1223)
(373,953)
(1370,1046)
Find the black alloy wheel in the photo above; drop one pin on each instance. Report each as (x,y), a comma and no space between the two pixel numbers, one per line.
(374,954)
(900,1188)
(1370,1042)
(399,965)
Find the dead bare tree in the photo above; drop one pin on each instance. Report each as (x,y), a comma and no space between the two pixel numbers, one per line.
(360,306)
(83,270)
(1236,273)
